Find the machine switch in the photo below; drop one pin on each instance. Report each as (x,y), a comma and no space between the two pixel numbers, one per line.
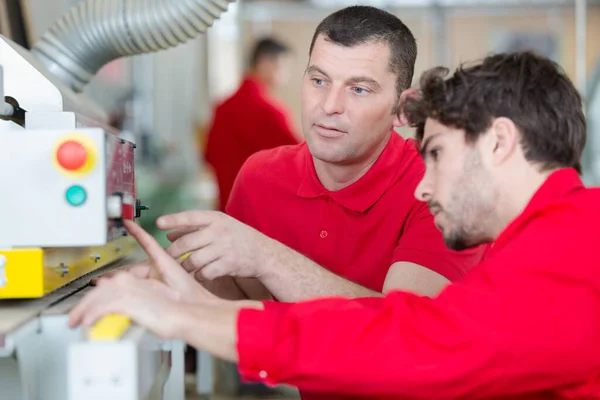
(75,155)
(76,195)
(71,155)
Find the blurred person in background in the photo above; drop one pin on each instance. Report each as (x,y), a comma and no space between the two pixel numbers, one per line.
(252,119)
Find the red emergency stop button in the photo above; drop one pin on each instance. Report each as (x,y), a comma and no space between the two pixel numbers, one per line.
(75,154)
(71,155)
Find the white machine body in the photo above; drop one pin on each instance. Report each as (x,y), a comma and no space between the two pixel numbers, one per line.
(43,203)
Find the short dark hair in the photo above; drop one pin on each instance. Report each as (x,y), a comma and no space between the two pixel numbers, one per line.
(267,47)
(532,91)
(357,25)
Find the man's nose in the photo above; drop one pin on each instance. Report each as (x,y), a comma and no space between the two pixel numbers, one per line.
(423,192)
(334,101)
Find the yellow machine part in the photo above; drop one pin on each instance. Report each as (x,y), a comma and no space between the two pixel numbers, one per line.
(110,327)
(35,272)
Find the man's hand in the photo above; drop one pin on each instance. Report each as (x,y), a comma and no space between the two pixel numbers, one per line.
(219,244)
(222,246)
(161,308)
(147,301)
(224,287)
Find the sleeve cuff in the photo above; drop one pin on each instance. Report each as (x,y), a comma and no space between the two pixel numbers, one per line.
(275,306)
(257,357)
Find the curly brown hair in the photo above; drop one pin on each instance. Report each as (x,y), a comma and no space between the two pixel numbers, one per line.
(531,90)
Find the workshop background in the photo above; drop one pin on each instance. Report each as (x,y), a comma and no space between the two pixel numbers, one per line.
(166,105)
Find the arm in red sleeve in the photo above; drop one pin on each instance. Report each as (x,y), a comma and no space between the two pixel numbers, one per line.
(524,321)
(422,243)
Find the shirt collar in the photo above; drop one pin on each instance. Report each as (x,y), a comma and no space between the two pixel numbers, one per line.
(364,193)
(252,83)
(558,184)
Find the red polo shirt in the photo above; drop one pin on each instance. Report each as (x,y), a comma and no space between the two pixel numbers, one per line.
(524,324)
(249,121)
(357,232)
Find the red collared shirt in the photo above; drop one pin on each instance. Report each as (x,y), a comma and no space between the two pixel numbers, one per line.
(524,324)
(357,232)
(247,122)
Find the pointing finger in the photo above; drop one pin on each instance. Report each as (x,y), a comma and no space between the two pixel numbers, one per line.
(172,273)
(157,254)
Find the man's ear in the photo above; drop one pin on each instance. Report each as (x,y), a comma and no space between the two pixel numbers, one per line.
(504,139)
(401,119)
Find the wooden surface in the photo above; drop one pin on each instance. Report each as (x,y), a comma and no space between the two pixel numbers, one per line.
(16,313)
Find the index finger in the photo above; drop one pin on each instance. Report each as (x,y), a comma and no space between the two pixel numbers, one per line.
(186,219)
(159,257)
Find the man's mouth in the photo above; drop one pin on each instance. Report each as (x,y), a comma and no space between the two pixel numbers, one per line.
(329,131)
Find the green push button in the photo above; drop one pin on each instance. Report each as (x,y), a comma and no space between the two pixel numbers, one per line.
(76,195)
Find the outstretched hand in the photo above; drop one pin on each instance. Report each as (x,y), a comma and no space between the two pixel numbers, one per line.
(148,302)
(219,245)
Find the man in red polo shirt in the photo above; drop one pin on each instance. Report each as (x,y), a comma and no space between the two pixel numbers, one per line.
(343,200)
(502,145)
(251,119)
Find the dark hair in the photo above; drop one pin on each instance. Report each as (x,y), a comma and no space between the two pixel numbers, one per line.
(531,90)
(357,25)
(267,47)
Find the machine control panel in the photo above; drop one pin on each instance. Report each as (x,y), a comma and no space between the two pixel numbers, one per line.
(65,188)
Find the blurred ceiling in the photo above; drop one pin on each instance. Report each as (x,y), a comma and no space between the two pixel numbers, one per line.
(426,3)
(446,3)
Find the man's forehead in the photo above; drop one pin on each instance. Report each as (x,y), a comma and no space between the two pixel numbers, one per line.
(366,56)
(433,128)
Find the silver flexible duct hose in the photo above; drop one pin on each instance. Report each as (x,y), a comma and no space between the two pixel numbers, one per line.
(96,32)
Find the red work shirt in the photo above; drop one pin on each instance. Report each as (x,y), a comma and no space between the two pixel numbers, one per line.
(247,122)
(524,324)
(357,232)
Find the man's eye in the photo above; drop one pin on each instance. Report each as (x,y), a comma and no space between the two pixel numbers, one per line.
(317,81)
(359,90)
(434,153)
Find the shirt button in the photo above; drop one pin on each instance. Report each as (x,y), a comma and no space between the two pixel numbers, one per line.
(263,374)
(323,234)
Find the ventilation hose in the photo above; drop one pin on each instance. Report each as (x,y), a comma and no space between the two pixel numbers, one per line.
(95,32)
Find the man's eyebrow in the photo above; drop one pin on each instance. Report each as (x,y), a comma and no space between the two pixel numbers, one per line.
(314,68)
(423,150)
(365,79)
(352,80)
